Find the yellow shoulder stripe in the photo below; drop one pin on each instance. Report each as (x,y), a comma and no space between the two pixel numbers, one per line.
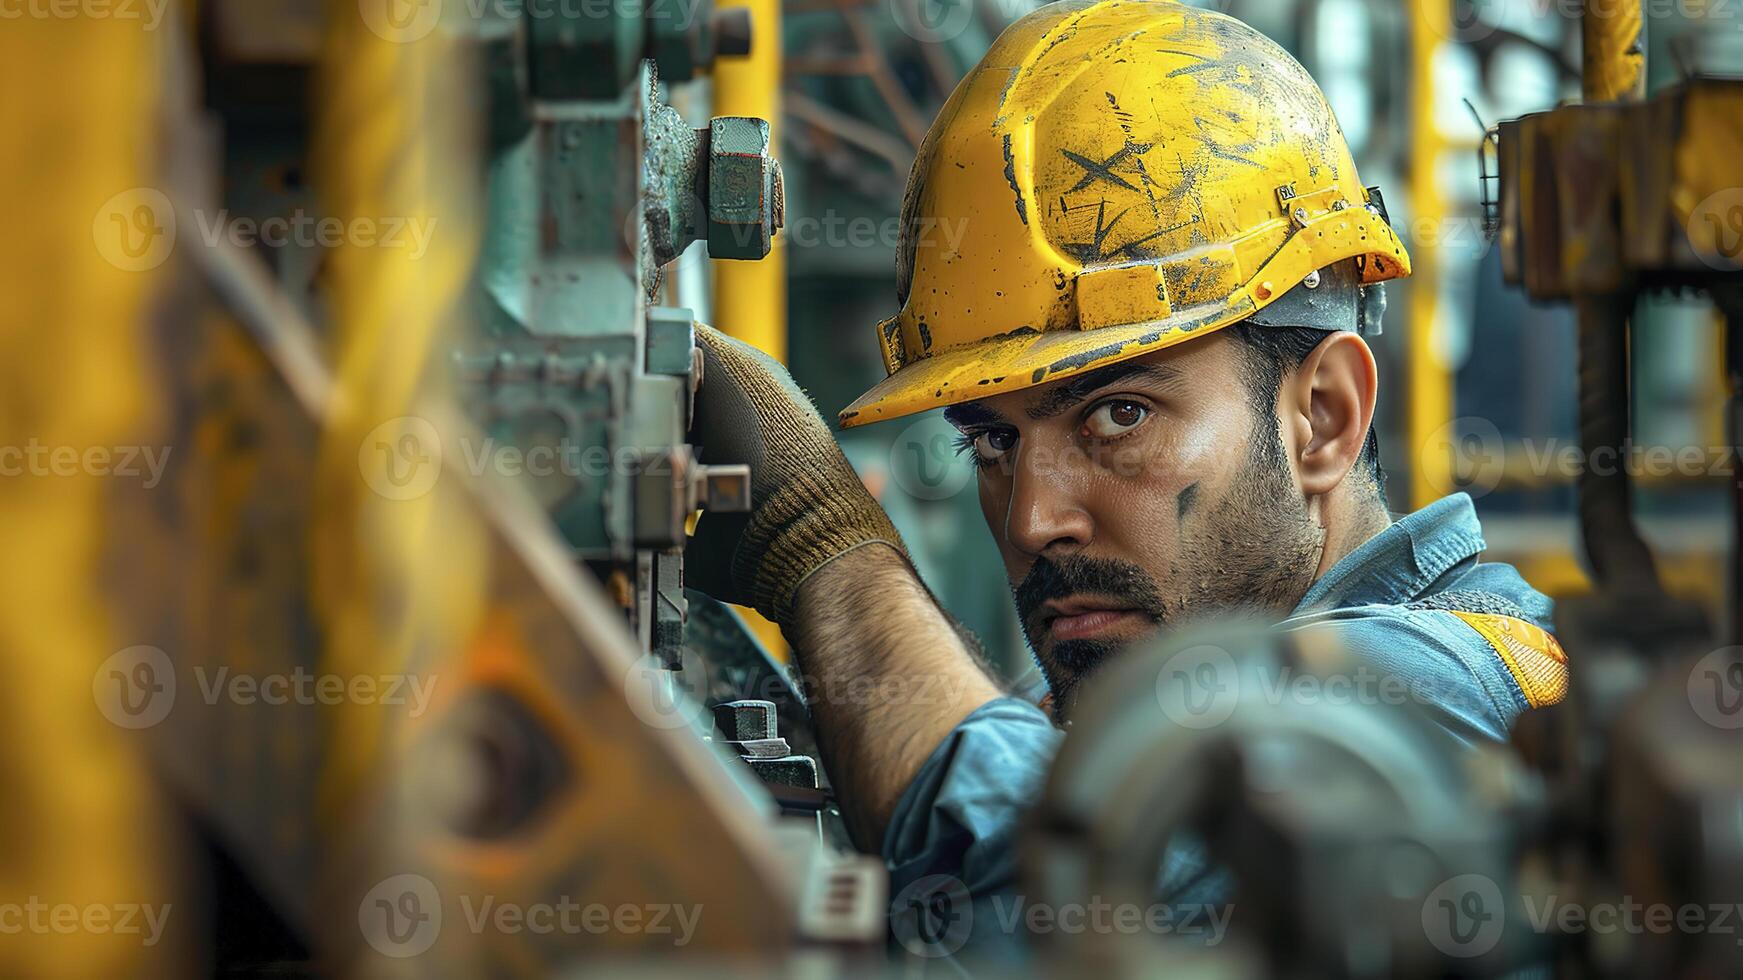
(1535,658)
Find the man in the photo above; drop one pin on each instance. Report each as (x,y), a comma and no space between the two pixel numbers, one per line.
(1150,335)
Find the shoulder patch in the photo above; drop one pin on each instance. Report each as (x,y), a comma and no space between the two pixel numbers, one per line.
(1535,659)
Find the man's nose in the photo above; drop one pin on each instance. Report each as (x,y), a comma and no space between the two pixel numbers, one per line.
(1046,515)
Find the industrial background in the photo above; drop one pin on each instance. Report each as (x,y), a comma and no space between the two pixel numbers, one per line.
(246,442)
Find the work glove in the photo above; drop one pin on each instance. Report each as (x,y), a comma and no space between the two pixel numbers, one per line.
(808,506)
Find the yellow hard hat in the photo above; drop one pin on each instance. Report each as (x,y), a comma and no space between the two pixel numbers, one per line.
(1114,178)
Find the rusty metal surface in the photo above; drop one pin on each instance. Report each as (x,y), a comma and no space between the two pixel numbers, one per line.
(1601,198)
(84,826)
(528,761)
(223,594)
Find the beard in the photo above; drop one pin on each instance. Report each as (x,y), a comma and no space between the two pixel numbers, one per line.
(1253,554)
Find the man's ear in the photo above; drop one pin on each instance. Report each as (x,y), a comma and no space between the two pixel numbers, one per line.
(1333,398)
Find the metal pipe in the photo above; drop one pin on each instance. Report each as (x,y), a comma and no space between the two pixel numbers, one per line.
(1618,555)
(1613,69)
(892,149)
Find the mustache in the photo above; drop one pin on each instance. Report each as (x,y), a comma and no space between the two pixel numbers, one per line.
(1080,574)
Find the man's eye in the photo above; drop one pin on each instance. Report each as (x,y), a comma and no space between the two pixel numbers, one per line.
(993,444)
(987,446)
(1110,420)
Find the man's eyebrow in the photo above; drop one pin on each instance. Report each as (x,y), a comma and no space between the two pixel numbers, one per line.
(969,414)
(1074,390)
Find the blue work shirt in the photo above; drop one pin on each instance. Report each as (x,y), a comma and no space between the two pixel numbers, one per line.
(1414,601)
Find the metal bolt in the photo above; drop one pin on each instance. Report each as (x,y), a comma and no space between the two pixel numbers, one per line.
(792,770)
(745,195)
(1312,280)
(745,721)
(723,488)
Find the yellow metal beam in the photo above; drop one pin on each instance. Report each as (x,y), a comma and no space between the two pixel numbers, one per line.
(750,298)
(87,241)
(397,574)
(1428,378)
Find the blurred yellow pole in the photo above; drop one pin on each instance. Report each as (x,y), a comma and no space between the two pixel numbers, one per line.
(1613,37)
(750,298)
(1428,378)
(399,566)
(86,236)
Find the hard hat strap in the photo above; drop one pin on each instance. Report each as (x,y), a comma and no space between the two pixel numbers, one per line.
(1330,299)
(1372,310)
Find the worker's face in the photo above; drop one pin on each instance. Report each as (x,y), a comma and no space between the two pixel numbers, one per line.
(1137,496)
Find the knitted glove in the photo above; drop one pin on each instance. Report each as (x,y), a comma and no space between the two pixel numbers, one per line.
(808,506)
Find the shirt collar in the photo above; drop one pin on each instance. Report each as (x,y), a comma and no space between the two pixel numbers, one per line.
(1398,564)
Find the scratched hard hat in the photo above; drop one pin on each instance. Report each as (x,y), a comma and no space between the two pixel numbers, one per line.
(1112,179)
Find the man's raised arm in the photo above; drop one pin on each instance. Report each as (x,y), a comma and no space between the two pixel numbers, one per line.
(888,674)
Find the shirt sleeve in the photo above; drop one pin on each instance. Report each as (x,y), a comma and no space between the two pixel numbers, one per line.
(954,834)
(1429,658)
(959,816)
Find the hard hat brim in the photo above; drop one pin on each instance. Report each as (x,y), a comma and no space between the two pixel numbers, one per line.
(1025,358)
(1000,365)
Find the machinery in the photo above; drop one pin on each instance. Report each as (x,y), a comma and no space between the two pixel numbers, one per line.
(1600,204)
(430,423)
(452,478)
